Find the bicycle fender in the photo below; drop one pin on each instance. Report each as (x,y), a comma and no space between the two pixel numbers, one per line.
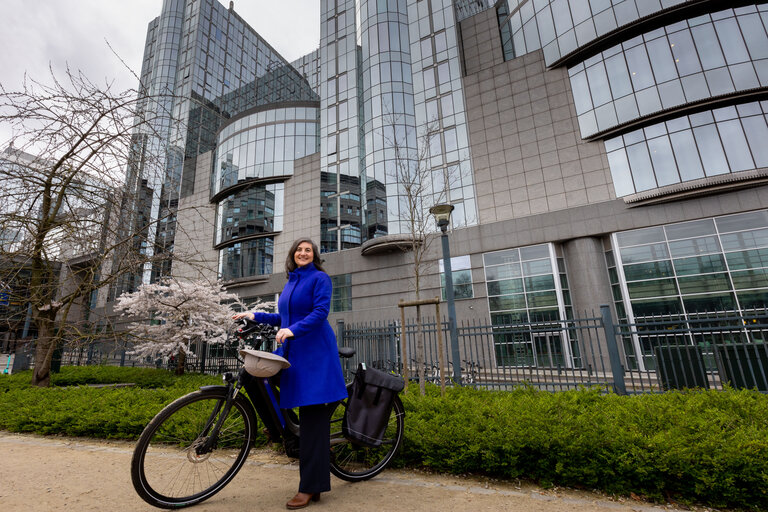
(213,386)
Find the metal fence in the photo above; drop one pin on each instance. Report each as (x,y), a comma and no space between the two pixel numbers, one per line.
(708,351)
(653,354)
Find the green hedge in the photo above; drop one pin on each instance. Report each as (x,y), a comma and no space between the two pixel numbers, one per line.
(698,446)
(709,447)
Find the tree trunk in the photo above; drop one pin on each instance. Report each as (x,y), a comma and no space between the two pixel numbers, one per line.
(45,346)
(181,361)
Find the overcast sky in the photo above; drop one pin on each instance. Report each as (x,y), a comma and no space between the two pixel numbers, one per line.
(36,33)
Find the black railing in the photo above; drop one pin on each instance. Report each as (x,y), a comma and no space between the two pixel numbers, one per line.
(652,354)
(709,351)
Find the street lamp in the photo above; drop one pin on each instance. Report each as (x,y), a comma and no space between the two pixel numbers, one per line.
(442,213)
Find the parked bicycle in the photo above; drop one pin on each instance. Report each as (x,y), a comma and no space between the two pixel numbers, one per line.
(196,445)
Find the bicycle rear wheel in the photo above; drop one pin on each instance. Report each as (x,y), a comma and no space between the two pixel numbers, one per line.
(166,470)
(354,462)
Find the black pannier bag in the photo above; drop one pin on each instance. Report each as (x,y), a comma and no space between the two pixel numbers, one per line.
(369,405)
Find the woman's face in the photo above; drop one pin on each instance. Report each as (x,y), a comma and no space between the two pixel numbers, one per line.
(304,254)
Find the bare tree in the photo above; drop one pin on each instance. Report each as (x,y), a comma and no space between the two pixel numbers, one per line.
(70,224)
(421,185)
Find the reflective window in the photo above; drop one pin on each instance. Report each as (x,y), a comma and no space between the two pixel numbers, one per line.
(693,269)
(461,272)
(529,285)
(663,69)
(257,209)
(247,259)
(691,147)
(264,144)
(698,265)
(341,298)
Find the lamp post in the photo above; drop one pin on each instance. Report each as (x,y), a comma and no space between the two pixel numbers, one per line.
(442,213)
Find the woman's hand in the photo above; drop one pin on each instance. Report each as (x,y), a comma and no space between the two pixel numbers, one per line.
(282,335)
(245,314)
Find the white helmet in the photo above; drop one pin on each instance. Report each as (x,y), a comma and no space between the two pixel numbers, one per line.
(263,364)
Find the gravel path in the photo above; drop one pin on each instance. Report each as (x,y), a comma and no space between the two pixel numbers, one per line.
(54,473)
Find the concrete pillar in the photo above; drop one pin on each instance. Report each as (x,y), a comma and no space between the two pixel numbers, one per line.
(590,287)
(588,279)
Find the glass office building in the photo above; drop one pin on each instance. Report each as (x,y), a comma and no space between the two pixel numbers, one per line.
(560,131)
(198,58)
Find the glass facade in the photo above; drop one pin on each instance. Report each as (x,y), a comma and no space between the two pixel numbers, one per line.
(264,145)
(688,272)
(707,56)
(727,140)
(340,126)
(198,59)
(714,264)
(560,27)
(247,259)
(341,299)
(529,284)
(392,115)
(461,271)
(255,154)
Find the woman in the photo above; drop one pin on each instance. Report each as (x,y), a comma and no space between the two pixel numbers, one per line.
(314,381)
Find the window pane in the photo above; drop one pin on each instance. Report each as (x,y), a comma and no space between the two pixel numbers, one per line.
(618,76)
(736,148)
(505,287)
(708,47)
(503,272)
(704,284)
(658,288)
(684,53)
(651,270)
(598,84)
(723,302)
(687,155)
(639,67)
(712,154)
(747,259)
(690,229)
(507,302)
(664,165)
(745,240)
(695,246)
(757,135)
(663,64)
(644,253)
(642,170)
(730,39)
(545,282)
(750,279)
(640,236)
(670,306)
(742,221)
(700,265)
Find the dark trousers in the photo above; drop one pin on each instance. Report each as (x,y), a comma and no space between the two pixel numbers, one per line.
(315,448)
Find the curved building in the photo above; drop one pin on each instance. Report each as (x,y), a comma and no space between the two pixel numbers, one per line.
(595,152)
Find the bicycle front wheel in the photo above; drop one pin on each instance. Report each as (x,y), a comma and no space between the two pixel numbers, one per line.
(354,462)
(167,469)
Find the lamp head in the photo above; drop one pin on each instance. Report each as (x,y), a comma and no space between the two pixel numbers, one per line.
(442,213)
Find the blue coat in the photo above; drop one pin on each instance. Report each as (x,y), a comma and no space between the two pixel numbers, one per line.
(315,375)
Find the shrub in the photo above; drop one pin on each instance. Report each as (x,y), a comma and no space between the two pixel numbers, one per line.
(705,446)
(709,447)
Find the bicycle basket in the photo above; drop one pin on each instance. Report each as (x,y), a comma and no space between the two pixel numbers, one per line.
(262,364)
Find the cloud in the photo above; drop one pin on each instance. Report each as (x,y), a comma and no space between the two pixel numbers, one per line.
(34,34)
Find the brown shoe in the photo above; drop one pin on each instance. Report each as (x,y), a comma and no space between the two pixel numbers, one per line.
(301,500)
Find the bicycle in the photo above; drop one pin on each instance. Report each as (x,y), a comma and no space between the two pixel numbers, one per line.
(197,444)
